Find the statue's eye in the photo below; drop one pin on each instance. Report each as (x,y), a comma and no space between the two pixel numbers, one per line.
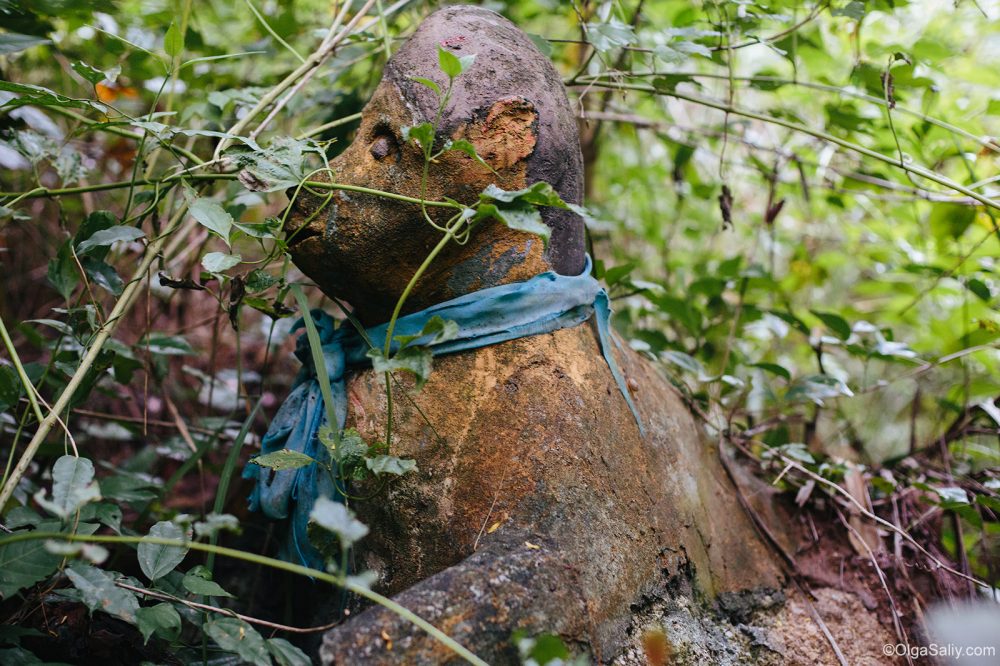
(383,146)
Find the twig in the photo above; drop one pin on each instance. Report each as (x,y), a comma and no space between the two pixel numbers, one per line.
(881,521)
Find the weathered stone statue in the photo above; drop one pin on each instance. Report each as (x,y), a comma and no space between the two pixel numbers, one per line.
(538,504)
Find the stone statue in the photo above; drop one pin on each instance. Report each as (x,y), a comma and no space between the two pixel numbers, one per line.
(538,504)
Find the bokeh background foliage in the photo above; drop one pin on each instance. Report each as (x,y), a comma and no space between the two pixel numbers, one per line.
(795,207)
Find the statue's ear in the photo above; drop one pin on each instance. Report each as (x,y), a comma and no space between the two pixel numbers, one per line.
(506,133)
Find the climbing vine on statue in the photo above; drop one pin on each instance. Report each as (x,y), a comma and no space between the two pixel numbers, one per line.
(794,206)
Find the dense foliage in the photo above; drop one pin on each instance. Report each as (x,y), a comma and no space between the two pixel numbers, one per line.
(794,205)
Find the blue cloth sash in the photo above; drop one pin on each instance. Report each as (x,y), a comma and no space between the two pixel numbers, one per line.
(545,303)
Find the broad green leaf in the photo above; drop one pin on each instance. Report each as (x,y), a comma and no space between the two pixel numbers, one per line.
(199,581)
(854,10)
(390,465)
(103,275)
(949,221)
(816,388)
(12,42)
(91,552)
(259,280)
(774,369)
(427,82)
(173,41)
(166,345)
(336,518)
(521,217)
(157,560)
(542,44)
(106,237)
(282,459)
(435,331)
(423,134)
(92,74)
(415,360)
(449,63)
(217,262)
(37,95)
(73,485)
(610,35)
(161,619)
(835,323)
(11,388)
(286,654)
(236,636)
(211,215)
(214,523)
(63,273)
(466,147)
(537,194)
(99,592)
(277,167)
(24,563)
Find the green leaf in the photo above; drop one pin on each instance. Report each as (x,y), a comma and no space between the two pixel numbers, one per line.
(99,592)
(24,563)
(260,280)
(390,465)
(166,345)
(980,289)
(11,388)
(91,74)
(816,388)
(103,275)
(39,96)
(774,369)
(435,331)
(466,147)
(106,237)
(286,654)
(217,262)
(214,523)
(336,518)
(12,42)
(63,274)
(72,486)
(427,82)
(542,44)
(161,619)
(93,553)
(610,35)
(157,560)
(950,220)
(283,459)
(423,134)
(236,636)
(211,215)
(451,64)
(835,323)
(854,10)
(522,218)
(173,41)
(199,581)
(414,359)
(277,167)
(537,194)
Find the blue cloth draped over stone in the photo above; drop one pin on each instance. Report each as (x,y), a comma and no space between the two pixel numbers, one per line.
(545,303)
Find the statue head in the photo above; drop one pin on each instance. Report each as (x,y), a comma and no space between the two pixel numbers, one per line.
(511,105)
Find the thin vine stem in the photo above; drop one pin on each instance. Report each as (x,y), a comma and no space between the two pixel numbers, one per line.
(819,134)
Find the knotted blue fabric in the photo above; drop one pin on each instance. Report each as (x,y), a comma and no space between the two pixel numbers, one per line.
(545,303)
